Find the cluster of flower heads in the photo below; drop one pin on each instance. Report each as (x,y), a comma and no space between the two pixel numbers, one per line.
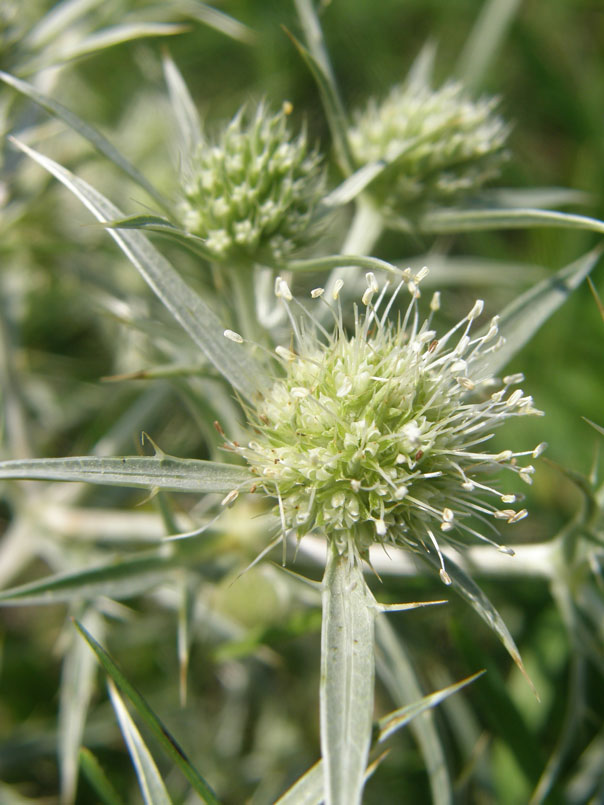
(254,194)
(377,436)
(439,144)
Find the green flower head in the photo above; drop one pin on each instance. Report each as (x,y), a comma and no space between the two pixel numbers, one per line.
(379,436)
(438,144)
(254,194)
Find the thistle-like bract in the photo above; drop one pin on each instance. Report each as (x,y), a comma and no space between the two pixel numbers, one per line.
(377,436)
(438,144)
(254,194)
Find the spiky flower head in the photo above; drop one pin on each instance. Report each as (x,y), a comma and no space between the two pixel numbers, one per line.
(438,144)
(254,193)
(379,436)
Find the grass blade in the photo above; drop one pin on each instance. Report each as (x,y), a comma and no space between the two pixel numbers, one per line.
(198,319)
(167,742)
(150,781)
(146,472)
(347,674)
(97,778)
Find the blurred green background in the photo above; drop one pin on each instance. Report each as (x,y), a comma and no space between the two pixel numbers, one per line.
(252,715)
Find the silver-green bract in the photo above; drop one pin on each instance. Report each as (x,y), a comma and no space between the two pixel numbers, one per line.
(438,145)
(254,194)
(378,436)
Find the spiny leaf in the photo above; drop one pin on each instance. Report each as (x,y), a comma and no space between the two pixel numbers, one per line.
(146,472)
(117,579)
(525,315)
(77,679)
(468,589)
(188,126)
(399,718)
(150,781)
(94,137)
(197,317)
(334,110)
(347,673)
(167,742)
(470,220)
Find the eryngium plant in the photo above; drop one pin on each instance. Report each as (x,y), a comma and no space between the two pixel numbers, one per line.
(438,145)
(254,193)
(376,436)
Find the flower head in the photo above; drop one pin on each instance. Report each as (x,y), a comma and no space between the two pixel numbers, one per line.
(439,144)
(379,436)
(254,194)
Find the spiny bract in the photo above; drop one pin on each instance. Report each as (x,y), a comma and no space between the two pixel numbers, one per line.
(375,437)
(254,195)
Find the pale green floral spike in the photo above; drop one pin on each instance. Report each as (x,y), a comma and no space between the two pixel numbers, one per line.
(379,436)
(438,144)
(255,193)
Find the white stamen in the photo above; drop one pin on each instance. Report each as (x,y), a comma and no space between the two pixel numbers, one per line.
(317,292)
(229,499)
(511,380)
(233,336)
(285,353)
(338,285)
(476,310)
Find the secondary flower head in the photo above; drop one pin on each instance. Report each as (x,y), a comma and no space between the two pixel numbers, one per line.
(379,436)
(254,194)
(439,144)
